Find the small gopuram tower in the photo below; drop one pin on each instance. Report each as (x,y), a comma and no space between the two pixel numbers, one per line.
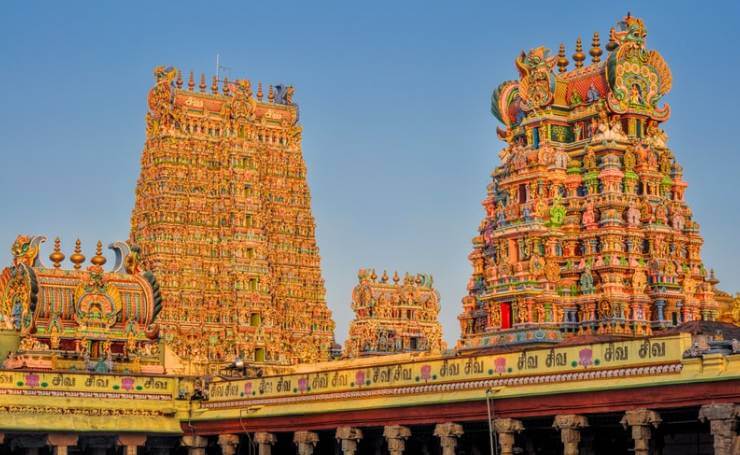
(223,218)
(394,317)
(85,319)
(586,229)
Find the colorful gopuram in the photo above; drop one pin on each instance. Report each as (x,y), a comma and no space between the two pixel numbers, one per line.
(586,230)
(394,317)
(75,319)
(223,217)
(591,325)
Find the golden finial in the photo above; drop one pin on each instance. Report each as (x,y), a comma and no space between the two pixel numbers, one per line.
(179,79)
(562,59)
(373,275)
(259,91)
(612,44)
(77,257)
(56,257)
(384,278)
(191,82)
(595,49)
(98,259)
(214,86)
(579,56)
(271,94)
(226,85)
(202,85)
(396,277)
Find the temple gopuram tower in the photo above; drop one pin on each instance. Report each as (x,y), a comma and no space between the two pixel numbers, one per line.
(586,229)
(395,317)
(223,217)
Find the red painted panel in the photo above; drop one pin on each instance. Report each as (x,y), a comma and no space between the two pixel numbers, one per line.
(506,315)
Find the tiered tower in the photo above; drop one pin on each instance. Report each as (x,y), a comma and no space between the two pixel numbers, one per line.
(394,317)
(223,217)
(586,228)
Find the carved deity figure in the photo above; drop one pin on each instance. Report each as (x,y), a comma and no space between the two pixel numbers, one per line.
(605,309)
(655,136)
(639,281)
(677,220)
(589,160)
(629,160)
(589,216)
(586,281)
(552,271)
(522,313)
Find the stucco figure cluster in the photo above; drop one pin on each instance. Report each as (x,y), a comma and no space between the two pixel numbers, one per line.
(587,230)
(222,215)
(590,319)
(394,317)
(80,319)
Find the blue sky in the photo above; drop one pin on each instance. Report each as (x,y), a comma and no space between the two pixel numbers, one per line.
(394,101)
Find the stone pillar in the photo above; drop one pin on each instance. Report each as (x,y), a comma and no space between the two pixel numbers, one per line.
(640,421)
(196,444)
(349,437)
(264,442)
(228,443)
(722,419)
(570,431)
(61,442)
(448,433)
(305,441)
(396,436)
(506,429)
(130,442)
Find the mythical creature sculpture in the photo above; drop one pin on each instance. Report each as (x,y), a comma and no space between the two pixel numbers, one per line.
(25,250)
(537,81)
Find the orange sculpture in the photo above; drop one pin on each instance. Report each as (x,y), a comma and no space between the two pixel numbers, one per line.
(223,217)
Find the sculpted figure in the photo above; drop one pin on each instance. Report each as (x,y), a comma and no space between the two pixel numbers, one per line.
(655,136)
(678,221)
(586,282)
(558,313)
(639,280)
(552,271)
(629,160)
(589,160)
(589,215)
(601,128)
(522,313)
(661,214)
(540,313)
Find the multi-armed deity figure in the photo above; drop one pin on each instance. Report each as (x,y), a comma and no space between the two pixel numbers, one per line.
(223,217)
(394,317)
(586,229)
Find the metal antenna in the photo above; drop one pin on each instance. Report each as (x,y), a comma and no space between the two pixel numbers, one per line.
(219,67)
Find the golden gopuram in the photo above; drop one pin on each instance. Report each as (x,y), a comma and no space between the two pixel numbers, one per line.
(590,324)
(222,214)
